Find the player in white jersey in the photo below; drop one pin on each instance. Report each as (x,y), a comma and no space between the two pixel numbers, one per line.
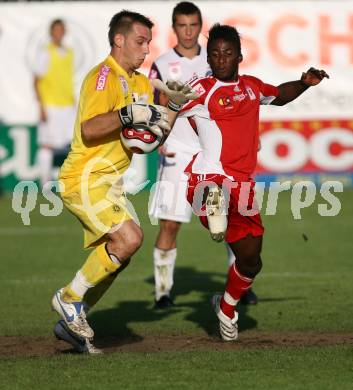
(169,204)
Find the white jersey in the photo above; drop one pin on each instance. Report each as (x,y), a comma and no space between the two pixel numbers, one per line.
(173,66)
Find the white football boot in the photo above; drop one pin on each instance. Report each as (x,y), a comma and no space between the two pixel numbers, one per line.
(216,213)
(73,314)
(228,327)
(80,345)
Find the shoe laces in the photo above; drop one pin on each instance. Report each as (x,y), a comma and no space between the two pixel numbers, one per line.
(82,318)
(91,348)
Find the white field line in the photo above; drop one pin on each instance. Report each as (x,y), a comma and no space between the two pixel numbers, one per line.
(141,278)
(51,230)
(29,230)
(57,281)
(316,275)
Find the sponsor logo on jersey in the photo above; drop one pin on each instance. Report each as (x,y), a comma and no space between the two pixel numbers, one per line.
(102,77)
(198,88)
(239,98)
(124,84)
(174,70)
(251,94)
(225,101)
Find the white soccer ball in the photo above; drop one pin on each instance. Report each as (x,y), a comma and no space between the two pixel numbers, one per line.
(140,139)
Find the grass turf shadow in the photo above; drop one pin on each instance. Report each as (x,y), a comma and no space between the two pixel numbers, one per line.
(113,324)
(187,280)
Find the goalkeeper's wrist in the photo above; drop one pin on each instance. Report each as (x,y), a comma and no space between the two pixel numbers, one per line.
(125,115)
(174,106)
(304,84)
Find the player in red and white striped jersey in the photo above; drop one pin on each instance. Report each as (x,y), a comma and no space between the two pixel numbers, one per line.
(169,204)
(226,118)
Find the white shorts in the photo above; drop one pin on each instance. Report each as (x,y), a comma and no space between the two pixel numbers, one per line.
(169,198)
(57,131)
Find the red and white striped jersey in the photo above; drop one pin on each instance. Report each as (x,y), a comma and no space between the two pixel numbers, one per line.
(226,118)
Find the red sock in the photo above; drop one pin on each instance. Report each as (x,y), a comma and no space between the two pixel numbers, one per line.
(237,285)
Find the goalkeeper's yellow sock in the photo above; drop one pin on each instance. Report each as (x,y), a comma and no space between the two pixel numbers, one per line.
(94,294)
(98,266)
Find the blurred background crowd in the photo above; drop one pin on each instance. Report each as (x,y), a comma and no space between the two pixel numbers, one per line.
(311,138)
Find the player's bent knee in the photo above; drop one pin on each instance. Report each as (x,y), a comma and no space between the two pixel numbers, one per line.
(258,266)
(133,242)
(250,266)
(170,227)
(124,245)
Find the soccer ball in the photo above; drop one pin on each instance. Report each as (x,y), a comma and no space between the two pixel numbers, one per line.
(140,139)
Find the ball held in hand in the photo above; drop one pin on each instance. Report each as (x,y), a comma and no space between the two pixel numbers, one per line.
(139,138)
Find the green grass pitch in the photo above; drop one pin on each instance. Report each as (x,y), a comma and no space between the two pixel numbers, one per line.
(299,336)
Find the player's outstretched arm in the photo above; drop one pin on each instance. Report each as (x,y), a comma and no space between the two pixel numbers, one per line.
(178,94)
(292,89)
(102,125)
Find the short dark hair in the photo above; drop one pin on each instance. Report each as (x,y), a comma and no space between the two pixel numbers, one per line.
(123,21)
(55,22)
(227,33)
(186,8)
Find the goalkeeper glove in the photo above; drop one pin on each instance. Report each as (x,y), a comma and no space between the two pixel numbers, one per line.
(177,92)
(153,116)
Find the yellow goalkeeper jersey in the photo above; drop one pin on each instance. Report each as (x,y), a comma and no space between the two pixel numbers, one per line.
(106,88)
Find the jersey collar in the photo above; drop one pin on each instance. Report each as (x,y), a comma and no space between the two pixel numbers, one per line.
(231,82)
(114,65)
(180,55)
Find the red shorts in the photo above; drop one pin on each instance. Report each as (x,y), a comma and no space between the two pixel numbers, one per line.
(243,214)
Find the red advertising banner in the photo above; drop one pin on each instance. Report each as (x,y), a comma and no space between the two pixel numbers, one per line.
(321,148)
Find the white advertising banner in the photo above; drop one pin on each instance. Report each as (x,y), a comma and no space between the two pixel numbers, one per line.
(280,40)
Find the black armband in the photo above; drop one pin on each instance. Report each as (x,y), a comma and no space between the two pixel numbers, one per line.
(173,106)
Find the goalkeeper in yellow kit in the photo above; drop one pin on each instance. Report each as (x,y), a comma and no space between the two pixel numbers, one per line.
(113,95)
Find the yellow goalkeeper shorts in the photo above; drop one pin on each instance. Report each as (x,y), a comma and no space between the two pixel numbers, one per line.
(99,203)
